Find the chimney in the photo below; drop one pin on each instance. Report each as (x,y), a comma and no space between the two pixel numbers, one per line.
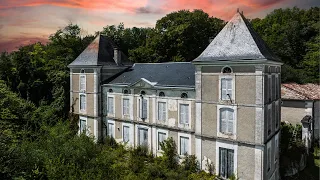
(117,55)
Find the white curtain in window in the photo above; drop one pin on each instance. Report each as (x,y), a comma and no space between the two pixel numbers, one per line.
(82,82)
(125,106)
(162,111)
(82,102)
(111,129)
(126,131)
(184,145)
(226,120)
(110,105)
(161,137)
(226,88)
(184,114)
(143,137)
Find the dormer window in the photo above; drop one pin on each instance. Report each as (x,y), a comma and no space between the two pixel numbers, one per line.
(143,93)
(110,90)
(125,91)
(227,70)
(184,95)
(161,94)
(82,71)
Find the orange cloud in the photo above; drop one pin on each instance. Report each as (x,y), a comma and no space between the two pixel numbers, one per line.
(14,43)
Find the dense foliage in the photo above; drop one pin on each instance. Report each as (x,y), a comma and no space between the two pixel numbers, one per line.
(37,133)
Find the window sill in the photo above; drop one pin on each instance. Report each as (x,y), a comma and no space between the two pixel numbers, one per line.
(227,136)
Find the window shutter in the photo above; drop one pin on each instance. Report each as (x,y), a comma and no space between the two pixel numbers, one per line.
(164,112)
(110,105)
(182,114)
(82,102)
(186,114)
(140,109)
(223,88)
(230,120)
(230,162)
(82,83)
(125,133)
(145,137)
(223,160)
(229,88)
(223,122)
(145,108)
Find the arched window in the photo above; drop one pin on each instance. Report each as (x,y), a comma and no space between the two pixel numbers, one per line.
(161,94)
(110,90)
(227,70)
(184,95)
(82,71)
(125,91)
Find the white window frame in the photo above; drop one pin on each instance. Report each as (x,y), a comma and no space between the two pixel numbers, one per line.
(227,145)
(138,108)
(137,134)
(269,158)
(220,134)
(131,135)
(162,100)
(109,121)
(83,111)
(85,82)
(232,77)
(79,124)
(113,113)
(166,137)
(188,102)
(276,146)
(189,143)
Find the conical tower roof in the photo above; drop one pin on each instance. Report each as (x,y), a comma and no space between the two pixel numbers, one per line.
(237,41)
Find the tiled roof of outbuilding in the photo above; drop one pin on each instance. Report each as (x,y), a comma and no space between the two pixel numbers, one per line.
(179,74)
(237,41)
(300,91)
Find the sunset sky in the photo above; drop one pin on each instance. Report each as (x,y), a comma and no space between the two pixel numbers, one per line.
(27,21)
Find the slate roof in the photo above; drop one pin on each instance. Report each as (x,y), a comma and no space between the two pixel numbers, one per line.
(237,41)
(179,74)
(99,52)
(296,91)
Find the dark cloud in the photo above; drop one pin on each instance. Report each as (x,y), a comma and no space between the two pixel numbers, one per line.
(148,10)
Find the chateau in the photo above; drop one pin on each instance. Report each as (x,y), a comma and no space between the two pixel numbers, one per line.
(224,106)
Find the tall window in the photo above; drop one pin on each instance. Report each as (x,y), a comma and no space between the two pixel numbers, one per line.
(125,108)
(82,83)
(277,118)
(269,158)
(82,102)
(161,138)
(111,130)
(143,108)
(226,120)
(143,137)
(226,88)
(184,145)
(226,162)
(110,105)
(126,133)
(83,124)
(184,114)
(269,88)
(162,111)
(277,87)
(269,120)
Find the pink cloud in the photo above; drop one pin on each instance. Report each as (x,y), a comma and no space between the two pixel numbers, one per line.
(14,43)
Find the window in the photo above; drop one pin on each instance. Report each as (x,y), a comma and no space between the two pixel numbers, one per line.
(161,94)
(226,162)
(143,108)
(269,120)
(276,148)
(226,70)
(125,108)
(82,102)
(277,118)
(125,91)
(143,137)
(110,90)
(269,88)
(226,120)
(162,111)
(82,71)
(184,145)
(83,124)
(111,130)
(184,114)
(110,105)
(82,83)
(269,158)
(184,95)
(277,87)
(161,138)
(126,134)
(226,88)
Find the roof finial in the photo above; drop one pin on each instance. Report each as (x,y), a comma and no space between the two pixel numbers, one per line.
(238,10)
